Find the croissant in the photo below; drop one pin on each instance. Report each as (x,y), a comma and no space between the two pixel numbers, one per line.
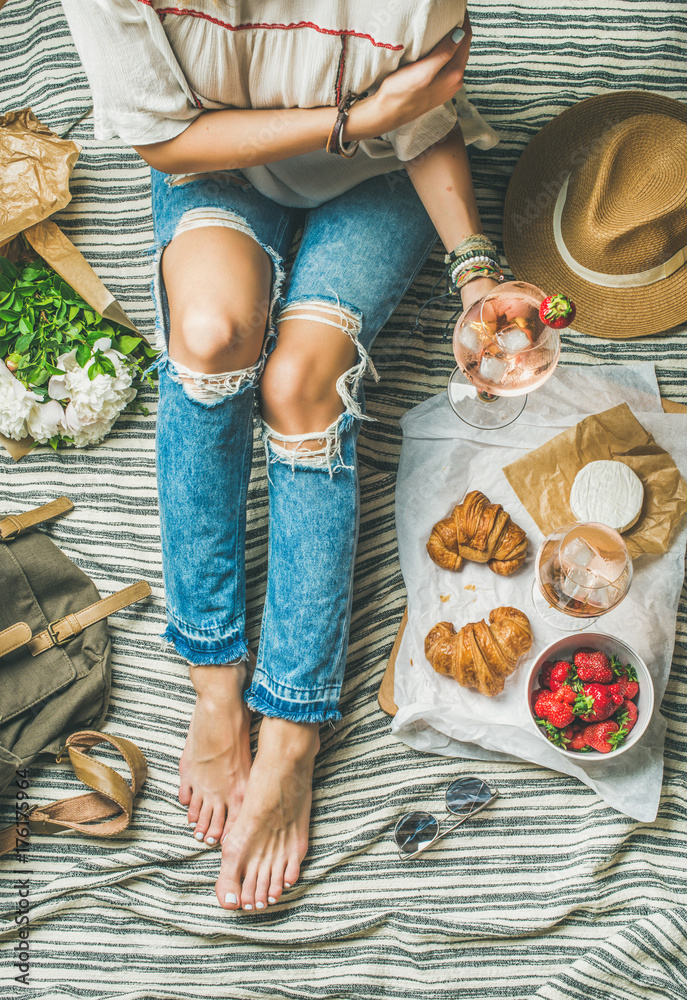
(480,532)
(480,656)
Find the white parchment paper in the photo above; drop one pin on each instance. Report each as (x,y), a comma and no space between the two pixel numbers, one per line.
(441,459)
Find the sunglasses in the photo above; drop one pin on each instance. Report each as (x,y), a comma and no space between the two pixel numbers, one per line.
(417,831)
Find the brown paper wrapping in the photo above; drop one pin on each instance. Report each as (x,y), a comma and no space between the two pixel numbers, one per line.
(543,478)
(35,165)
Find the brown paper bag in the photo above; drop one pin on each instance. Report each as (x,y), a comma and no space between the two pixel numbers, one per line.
(35,165)
(543,478)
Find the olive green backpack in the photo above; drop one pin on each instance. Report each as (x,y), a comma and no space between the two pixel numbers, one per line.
(55,662)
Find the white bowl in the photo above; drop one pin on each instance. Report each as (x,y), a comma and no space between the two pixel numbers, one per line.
(563,649)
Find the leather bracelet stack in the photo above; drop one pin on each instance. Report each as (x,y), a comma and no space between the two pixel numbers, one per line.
(475,257)
(335,143)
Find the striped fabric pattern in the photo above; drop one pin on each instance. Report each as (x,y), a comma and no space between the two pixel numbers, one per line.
(548,893)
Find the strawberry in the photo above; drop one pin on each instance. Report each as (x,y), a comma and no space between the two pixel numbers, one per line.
(557,311)
(579,741)
(559,674)
(593,665)
(555,709)
(627,678)
(534,697)
(559,737)
(600,736)
(595,703)
(545,673)
(617,692)
(627,716)
(565,694)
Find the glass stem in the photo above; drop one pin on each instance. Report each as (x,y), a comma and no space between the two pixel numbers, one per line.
(487,397)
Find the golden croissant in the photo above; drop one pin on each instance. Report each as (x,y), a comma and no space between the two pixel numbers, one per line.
(480,532)
(480,656)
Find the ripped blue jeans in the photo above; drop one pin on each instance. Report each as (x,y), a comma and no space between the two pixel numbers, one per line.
(357,256)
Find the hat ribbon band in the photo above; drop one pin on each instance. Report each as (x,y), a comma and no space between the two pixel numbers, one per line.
(635,280)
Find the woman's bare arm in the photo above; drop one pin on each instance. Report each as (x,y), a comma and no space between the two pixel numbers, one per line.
(236,138)
(441,176)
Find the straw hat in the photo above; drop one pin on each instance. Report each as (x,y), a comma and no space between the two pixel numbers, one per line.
(597,209)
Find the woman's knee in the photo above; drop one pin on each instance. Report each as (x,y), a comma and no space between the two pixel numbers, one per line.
(209,339)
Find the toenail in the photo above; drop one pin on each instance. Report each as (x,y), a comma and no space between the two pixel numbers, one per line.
(229,897)
(287,885)
(209,840)
(248,906)
(198,836)
(260,906)
(193,825)
(271,899)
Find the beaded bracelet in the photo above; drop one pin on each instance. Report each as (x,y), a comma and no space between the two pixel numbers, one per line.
(477,270)
(470,261)
(471,245)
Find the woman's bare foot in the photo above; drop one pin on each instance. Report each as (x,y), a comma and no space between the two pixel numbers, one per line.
(263,851)
(216,760)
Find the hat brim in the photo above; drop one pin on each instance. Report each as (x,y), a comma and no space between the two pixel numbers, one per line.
(528,237)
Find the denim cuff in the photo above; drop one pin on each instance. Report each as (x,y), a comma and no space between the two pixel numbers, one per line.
(209,654)
(261,699)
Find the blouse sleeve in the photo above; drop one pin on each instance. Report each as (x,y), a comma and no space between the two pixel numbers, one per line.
(139,91)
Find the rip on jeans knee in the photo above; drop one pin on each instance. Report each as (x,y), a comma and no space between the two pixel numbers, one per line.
(326,453)
(212,388)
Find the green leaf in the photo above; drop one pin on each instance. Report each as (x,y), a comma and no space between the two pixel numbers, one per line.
(94,370)
(89,316)
(5,285)
(106,366)
(73,310)
(52,369)
(24,342)
(25,326)
(10,315)
(8,269)
(106,330)
(126,343)
(83,355)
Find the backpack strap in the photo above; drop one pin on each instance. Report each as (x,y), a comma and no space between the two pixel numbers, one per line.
(103,812)
(64,629)
(16,524)
(14,637)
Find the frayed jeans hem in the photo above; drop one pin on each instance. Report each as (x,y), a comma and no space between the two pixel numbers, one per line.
(231,652)
(261,700)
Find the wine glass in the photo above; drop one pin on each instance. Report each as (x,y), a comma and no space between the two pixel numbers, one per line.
(582,571)
(503,349)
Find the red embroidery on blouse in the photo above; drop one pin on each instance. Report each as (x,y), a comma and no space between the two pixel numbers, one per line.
(283,27)
(339,75)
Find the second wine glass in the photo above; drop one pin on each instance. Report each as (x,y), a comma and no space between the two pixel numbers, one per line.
(504,350)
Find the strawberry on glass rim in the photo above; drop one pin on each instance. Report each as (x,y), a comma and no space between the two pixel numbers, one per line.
(557,311)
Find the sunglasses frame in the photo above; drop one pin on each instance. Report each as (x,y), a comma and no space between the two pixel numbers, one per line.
(440,834)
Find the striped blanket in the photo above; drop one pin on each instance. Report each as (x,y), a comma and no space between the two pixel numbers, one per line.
(549,893)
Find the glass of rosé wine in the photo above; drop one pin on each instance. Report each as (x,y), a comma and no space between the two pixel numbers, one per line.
(581,571)
(504,349)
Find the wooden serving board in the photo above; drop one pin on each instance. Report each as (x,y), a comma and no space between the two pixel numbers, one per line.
(385,697)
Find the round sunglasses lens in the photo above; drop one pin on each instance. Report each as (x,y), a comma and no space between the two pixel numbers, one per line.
(466,793)
(415,831)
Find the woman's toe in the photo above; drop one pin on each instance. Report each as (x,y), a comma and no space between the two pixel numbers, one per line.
(194,808)
(248,887)
(204,820)
(291,872)
(185,792)
(214,830)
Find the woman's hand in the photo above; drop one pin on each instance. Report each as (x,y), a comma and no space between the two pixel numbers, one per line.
(412,90)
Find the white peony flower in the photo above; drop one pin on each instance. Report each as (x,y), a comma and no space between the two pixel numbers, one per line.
(16,402)
(85,433)
(45,420)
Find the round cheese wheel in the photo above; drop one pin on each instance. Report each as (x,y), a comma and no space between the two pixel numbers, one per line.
(607,492)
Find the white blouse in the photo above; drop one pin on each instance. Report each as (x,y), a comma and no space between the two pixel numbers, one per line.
(154,68)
